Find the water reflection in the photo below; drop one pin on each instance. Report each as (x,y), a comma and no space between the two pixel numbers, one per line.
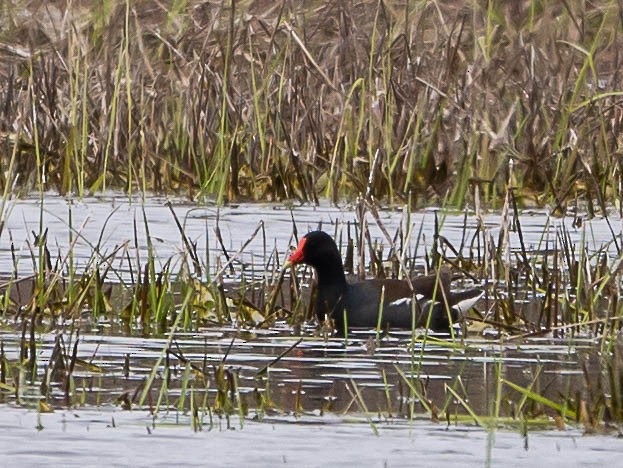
(318,374)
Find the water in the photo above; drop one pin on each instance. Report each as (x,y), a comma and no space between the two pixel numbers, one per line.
(319,375)
(109,222)
(89,438)
(317,419)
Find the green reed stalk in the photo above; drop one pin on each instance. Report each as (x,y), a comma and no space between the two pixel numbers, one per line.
(362,405)
(128,95)
(185,380)
(81,169)
(70,256)
(564,173)
(258,112)
(35,128)
(579,286)
(112,126)
(341,134)
(370,87)
(41,262)
(380,319)
(413,149)
(9,182)
(205,404)
(156,367)
(496,413)
(488,39)
(241,406)
(415,393)
(386,389)
(163,394)
(561,409)
(465,405)
(222,154)
(395,157)
(71,149)
(150,275)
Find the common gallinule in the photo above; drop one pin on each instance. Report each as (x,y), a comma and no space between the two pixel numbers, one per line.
(359,302)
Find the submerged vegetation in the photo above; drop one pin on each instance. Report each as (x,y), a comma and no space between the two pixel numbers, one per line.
(426,102)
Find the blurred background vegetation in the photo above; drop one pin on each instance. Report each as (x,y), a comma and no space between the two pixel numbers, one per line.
(447,103)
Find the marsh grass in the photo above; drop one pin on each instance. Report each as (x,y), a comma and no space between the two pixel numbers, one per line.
(559,288)
(425,102)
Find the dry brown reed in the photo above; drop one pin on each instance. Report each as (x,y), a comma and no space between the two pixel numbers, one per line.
(249,99)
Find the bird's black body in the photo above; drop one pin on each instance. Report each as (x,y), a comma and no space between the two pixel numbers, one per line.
(427,302)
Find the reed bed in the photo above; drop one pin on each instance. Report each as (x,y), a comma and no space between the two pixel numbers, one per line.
(426,102)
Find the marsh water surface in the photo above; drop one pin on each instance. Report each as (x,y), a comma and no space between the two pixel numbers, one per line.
(311,400)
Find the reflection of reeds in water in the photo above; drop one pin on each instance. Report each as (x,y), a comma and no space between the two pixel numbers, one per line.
(420,102)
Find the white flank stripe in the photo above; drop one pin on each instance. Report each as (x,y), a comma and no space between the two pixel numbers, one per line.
(463,306)
(407,300)
(401,301)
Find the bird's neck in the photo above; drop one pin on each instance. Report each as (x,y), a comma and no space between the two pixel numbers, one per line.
(331,288)
(331,273)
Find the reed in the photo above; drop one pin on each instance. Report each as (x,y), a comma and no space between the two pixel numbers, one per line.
(421,103)
(560,288)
